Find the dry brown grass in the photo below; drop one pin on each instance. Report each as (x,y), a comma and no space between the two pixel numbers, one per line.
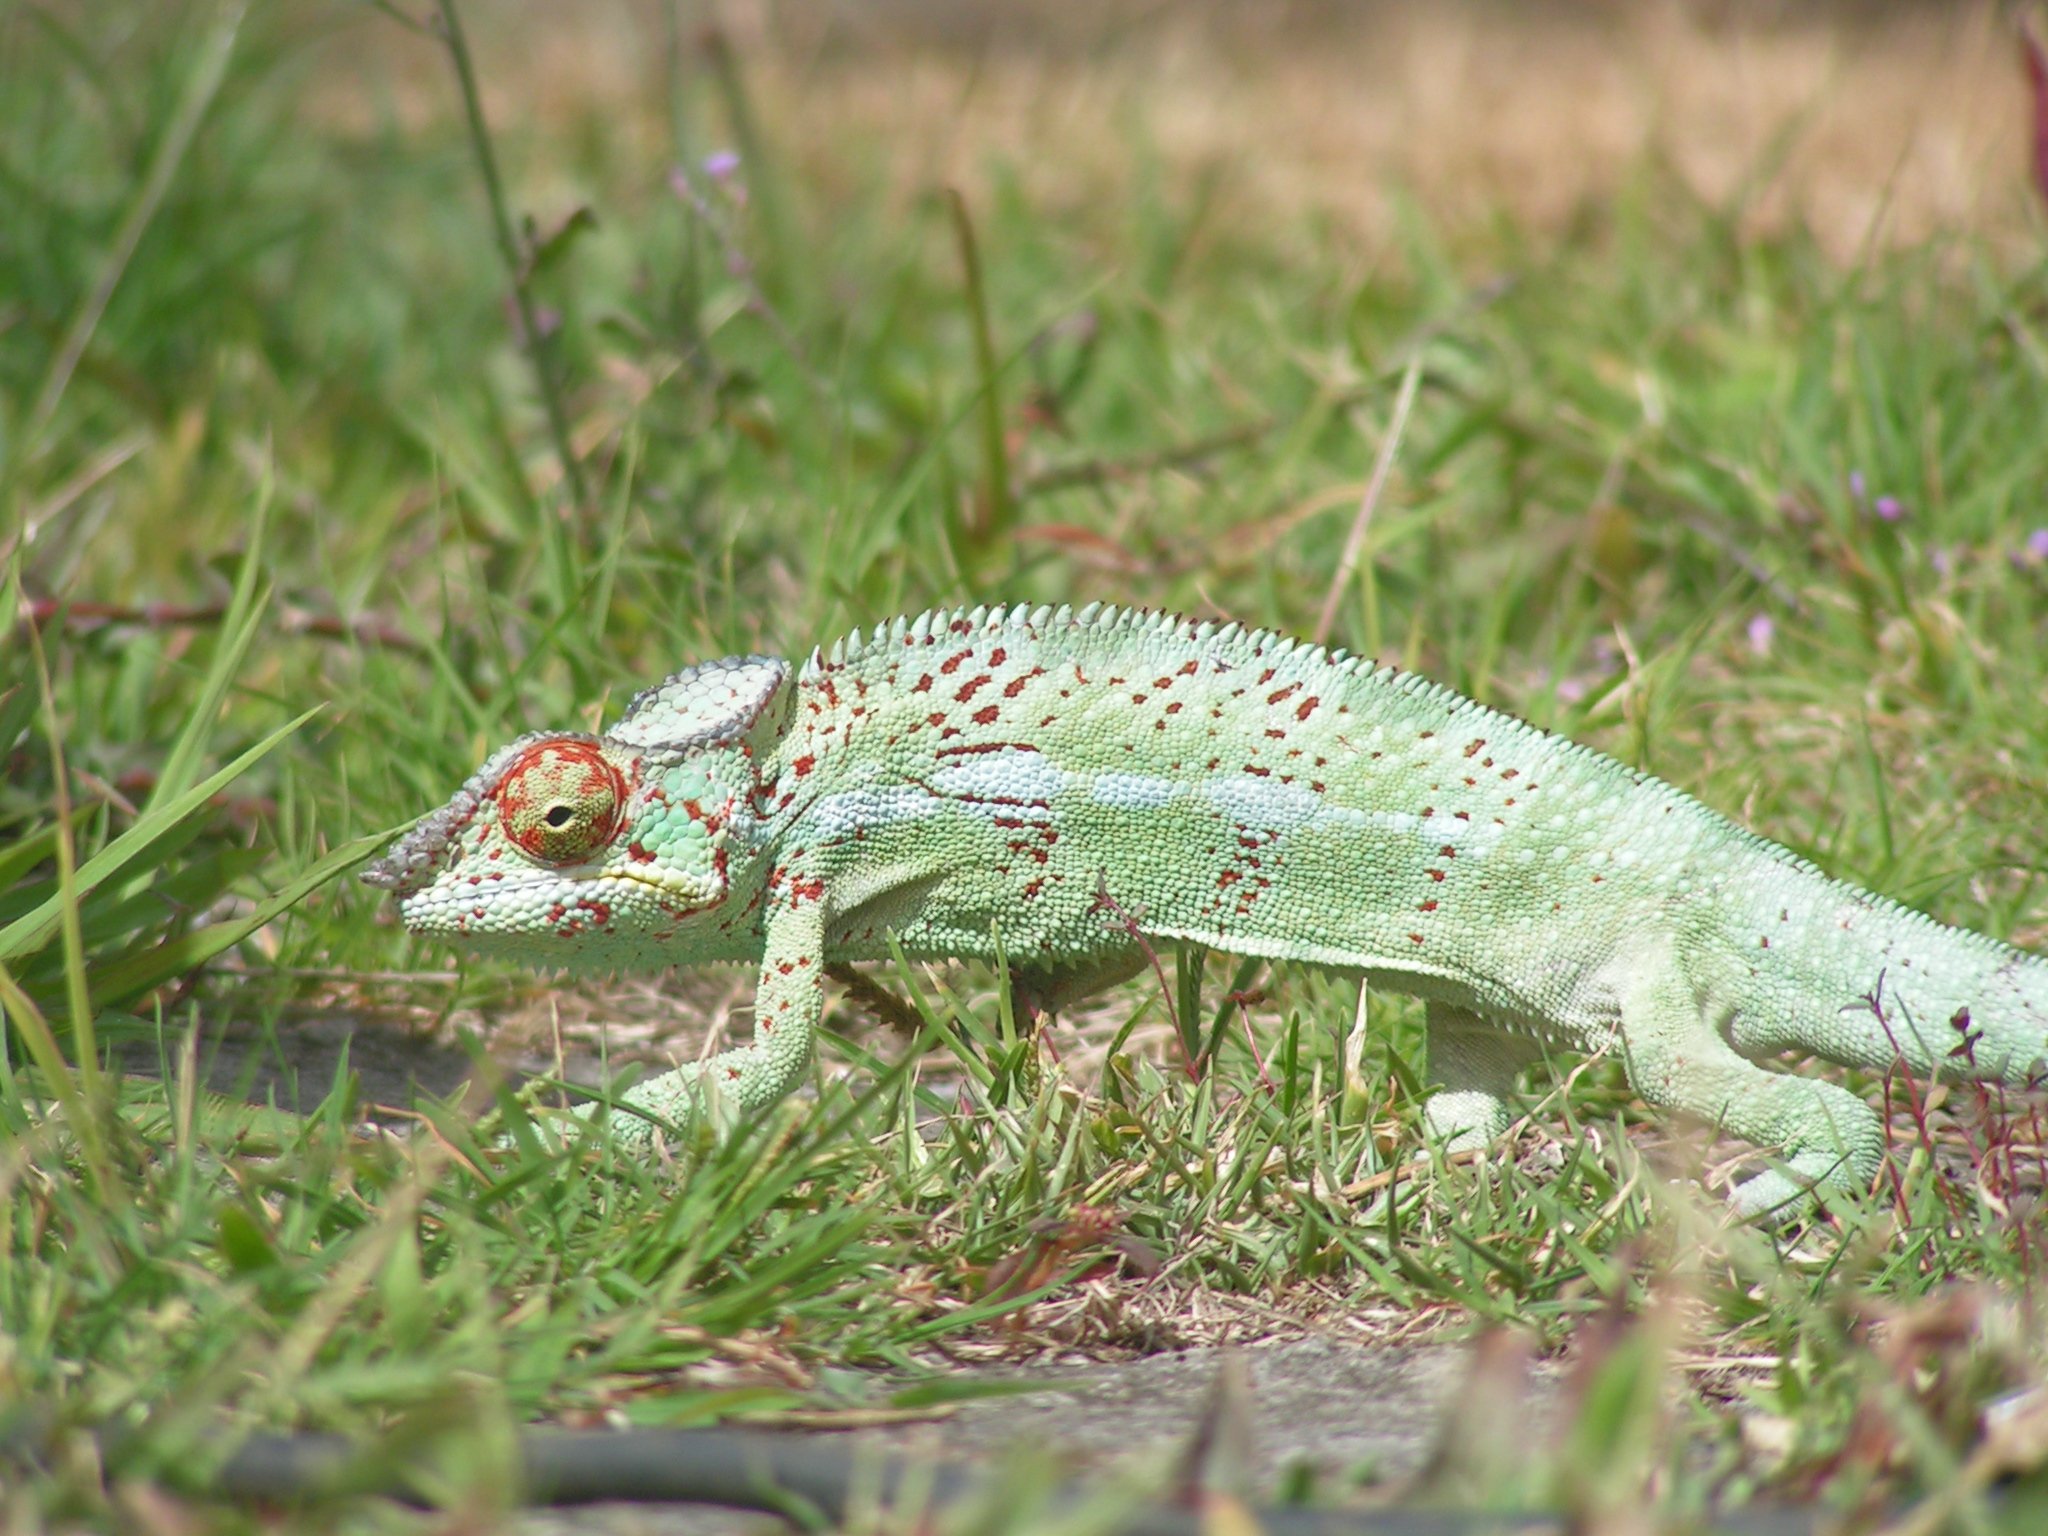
(1886,124)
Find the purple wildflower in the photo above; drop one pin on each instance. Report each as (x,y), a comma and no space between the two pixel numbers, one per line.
(1858,491)
(1761,629)
(1943,559)
(1889,509)
(722,165)
(2037,543)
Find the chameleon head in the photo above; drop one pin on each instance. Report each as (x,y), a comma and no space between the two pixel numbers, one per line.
(565,848)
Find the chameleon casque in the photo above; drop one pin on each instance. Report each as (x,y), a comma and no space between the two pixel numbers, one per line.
(1046,779)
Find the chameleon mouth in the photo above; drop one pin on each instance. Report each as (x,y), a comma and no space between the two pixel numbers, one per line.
(674,886)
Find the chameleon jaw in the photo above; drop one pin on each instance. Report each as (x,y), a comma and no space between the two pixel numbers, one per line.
(674,885)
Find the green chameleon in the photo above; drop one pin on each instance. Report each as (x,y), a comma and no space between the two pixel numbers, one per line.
(1068,785)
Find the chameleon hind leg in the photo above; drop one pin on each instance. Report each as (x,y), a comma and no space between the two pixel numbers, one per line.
(1820,1133)
(1474,1064)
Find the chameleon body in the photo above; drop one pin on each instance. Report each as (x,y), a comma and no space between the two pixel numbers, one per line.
(1049,784)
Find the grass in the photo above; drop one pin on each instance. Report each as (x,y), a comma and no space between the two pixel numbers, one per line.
(300,522)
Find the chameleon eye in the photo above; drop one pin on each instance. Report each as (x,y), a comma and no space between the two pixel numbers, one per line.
(562,801)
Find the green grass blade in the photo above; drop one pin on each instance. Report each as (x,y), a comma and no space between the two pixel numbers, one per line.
(33,930)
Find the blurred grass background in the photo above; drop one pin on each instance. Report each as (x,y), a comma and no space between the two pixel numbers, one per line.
(1725,327)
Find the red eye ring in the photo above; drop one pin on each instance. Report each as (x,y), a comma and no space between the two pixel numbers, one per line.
(561,801)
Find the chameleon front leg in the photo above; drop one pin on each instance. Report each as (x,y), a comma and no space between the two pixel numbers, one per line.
(1474,1063)
(788,1004)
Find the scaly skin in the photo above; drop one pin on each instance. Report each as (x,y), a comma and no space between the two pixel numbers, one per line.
(965,775)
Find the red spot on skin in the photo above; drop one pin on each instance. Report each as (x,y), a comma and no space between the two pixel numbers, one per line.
(1032,888)
(1254,768)
(1229,877)
(1465,815)
(923,684)
(953,663)
(1511,773)
(1188,669)
(986,715)
(1426,735)
(803,765)
(1597,879)
(639,852)
(1267,676)
(1427,906)
(1275,733)
(806,888)
(600,912)
(974,748)
(1306,708)
(967,688)
(998,656)
(936,717)
(1416,937)
(1436,874)
(1766,943)
(1447,851)
(1280,693)
(555,913)
(785,967)
(1473,749)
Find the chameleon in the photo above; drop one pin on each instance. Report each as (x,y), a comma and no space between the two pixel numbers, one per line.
(1062,788)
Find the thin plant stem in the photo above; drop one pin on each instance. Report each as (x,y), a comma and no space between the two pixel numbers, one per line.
(1354,543)
(989,528)
(510,249)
